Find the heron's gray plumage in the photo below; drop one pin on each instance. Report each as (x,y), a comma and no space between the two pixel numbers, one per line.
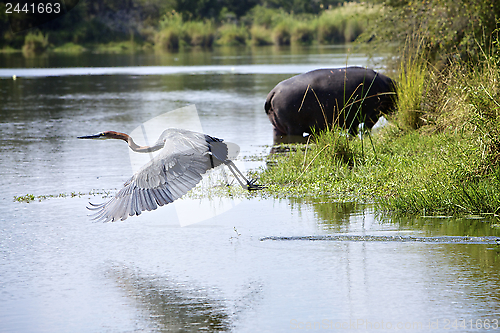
(179,167)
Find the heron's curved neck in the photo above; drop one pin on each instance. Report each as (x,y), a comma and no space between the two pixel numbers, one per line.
(143,149)
(127,138)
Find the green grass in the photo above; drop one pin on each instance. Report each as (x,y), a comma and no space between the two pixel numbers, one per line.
(27,198)
(117,47)
(168,39)
(411,174)
(303,33)
(232,35)
(439,155)
(282,33)
(344,23)
(410,81)
(69,48)
(260,26)
(260,35)
(201,34)
(8,49)
(35,44)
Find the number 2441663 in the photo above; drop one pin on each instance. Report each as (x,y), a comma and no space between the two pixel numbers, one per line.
(40,8)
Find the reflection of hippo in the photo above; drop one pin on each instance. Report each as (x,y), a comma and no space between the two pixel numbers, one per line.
(304,101)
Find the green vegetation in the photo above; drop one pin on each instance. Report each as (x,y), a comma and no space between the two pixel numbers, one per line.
(31,197)
(233,35)
(139,25)
(346,23)
(34,44)
(69,48)
(440,153)
(446,29)
(337,25)
(265,26)
(410,81)
(260,36)
(174,33)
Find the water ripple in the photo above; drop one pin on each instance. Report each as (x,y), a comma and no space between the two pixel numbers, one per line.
(370,238)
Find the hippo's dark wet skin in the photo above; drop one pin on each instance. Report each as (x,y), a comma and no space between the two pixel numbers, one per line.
(322,98)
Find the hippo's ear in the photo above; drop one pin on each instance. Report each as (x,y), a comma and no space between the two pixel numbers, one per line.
(267,105)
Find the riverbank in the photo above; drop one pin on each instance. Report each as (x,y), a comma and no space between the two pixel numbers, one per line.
(439,154)
(261,26)
(265,26)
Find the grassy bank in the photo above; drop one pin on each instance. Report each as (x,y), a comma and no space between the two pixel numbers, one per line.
(265,26)
(260,26)
(440,153)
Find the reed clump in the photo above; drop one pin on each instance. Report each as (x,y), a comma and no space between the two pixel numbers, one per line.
(174,33)
(302,33)
(35,44)
(344,23)
(167,39)
(410,84)
(282,34)
(200,34)
(232,35)
(260,35)
(266,26)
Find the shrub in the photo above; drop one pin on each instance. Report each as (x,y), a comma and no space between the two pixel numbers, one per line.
(199,33)
(35,44)
(171,32)
(447,27)
(263,16)
(302,33)
(282,34)
(233,35)
(345,23)
(330,29)
(260,35)
(167,39)
(353,28)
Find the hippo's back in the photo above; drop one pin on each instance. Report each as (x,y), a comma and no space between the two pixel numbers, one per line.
(305,100)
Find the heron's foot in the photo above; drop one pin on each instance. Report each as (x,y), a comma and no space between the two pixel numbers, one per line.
(251,186)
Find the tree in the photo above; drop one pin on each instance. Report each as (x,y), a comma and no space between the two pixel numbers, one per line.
(443,27)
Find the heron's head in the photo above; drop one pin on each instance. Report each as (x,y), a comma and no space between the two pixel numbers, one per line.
(106,135)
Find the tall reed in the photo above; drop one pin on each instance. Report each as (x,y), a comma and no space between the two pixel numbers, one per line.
(232,34)
(35,44)
(410,87)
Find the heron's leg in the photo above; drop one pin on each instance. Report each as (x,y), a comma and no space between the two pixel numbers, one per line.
(250,185)
(230,166)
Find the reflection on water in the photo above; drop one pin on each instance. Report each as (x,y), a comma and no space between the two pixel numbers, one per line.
(216,274)
(341,217)
(338,55)
(171,306)
(463,226)
(333,214)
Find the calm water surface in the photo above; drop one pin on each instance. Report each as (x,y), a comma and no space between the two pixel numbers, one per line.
(60,272)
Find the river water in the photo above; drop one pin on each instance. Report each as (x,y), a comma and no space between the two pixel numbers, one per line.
(249,264)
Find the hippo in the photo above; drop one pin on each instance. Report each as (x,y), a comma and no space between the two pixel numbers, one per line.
(330,96)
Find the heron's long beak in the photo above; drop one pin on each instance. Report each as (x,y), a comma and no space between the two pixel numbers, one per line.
(94,136)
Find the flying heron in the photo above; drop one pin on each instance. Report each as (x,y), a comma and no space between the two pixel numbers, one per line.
(184,157)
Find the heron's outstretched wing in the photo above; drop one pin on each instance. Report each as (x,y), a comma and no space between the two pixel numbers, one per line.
(179,167)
